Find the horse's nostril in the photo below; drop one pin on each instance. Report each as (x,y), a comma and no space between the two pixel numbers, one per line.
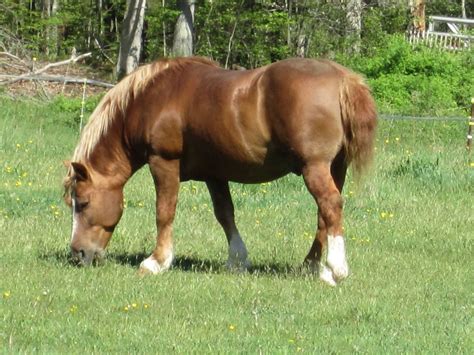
(78,255)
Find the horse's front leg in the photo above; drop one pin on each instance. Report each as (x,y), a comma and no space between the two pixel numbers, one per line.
(224,212)
(166,177)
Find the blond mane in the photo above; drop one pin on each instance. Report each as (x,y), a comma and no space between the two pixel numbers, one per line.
(115,103)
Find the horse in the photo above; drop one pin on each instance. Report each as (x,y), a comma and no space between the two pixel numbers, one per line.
(189,119)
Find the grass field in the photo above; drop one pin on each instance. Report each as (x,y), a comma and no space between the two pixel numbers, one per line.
(409,229)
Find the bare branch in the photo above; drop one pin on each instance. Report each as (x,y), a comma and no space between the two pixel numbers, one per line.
(96,42)
(30,74)
(14,57)
(73,59)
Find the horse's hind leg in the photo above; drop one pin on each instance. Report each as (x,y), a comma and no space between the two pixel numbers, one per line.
(224,212)
(166,177)
(313,258)
(325,180)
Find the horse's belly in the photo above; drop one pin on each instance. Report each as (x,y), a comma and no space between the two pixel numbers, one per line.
(220,167)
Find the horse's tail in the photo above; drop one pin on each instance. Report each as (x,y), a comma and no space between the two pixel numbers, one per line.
(359,118)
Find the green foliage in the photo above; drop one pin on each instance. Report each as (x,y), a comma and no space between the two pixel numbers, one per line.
(325,23)
(158,31)
(74,104)
(254,33)
(419,80)
(448,8)
(421,169)
(248,36)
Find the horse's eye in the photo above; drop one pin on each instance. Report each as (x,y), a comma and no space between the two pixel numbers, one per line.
(80,206)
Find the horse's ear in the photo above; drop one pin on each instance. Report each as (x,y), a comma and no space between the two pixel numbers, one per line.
(67,164)
(80,172)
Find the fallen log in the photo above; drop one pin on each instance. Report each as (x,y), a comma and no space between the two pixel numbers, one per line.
(6,79)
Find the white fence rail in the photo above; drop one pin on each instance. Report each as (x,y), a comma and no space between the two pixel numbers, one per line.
(451,41)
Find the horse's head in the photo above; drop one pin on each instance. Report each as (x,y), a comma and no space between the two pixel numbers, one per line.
(96,210)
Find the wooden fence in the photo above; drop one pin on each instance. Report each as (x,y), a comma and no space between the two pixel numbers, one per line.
(451,41)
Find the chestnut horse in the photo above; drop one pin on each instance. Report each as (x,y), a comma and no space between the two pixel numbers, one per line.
(187,118)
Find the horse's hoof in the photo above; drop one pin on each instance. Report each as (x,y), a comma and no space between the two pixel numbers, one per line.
(311,265)
(340,269)
(326,275)
(238,266)
(151,266)
(144,272)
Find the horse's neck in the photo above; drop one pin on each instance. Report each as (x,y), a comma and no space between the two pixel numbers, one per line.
(110,160)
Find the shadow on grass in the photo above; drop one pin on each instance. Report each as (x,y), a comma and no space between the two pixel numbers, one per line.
(183,263)
(61,257)
(64,258)
(192,264)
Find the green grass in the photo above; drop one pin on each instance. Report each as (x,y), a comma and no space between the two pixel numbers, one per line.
(409,230)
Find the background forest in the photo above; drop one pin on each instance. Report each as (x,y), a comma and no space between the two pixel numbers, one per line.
(368,36)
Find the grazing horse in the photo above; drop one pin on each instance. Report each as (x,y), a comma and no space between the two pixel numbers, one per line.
(187,118)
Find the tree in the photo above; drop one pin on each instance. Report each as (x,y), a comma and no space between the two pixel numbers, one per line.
(354,22)
(49,12)
(131,37)
(417,9)
(183,44)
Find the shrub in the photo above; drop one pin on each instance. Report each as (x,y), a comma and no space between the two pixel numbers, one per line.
(417,81)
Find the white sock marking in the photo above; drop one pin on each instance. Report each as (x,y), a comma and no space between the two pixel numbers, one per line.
(151,264)
(337,257)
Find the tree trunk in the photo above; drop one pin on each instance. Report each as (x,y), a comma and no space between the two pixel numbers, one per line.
(100,18)
(46,14)
(463,13)
(131,37)
(54,31)
(302,46)
(163,4)
(184,30)
(354,22)
(417,10)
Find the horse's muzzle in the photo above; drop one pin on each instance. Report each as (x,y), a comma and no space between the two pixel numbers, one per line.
(86,257)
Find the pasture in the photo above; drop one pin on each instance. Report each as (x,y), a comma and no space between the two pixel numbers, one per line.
(409,227)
